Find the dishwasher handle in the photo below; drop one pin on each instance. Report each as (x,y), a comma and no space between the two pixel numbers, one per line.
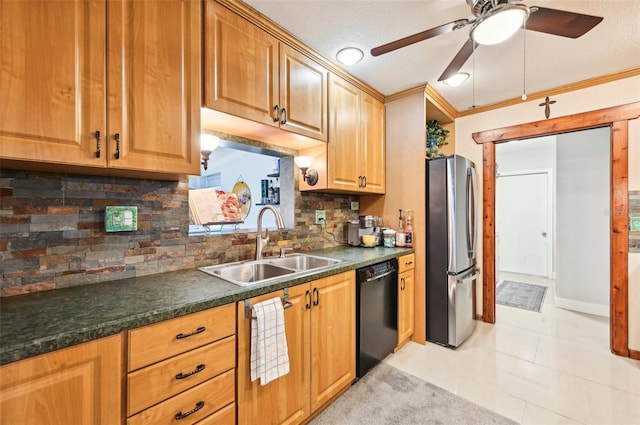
(380,276)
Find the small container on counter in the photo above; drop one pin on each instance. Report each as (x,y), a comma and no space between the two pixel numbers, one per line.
(389,238)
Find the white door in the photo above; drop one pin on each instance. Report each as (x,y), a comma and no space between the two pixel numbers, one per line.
(523,222)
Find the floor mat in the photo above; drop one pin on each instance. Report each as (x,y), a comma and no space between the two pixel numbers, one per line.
(521,295)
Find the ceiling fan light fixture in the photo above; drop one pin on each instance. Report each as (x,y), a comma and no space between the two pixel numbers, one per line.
(349,56)
(457,79)
(499,24)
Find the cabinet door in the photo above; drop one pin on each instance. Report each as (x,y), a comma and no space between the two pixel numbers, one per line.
(373,147)
(76,385)
(303,94)
(52,81)
(286,399)
(333,337)
(343,148)
(154,85)
(405,305)
(240,66)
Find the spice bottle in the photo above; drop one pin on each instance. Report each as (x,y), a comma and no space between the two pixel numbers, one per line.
(400,235)
(408,232)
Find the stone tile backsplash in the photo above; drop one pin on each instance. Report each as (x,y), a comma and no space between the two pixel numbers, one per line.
(52,230)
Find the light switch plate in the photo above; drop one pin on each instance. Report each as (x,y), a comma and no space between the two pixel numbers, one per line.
(121,219)
(634,224)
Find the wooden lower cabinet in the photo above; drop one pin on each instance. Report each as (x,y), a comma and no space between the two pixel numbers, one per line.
(406,298)
(320,327)
(182,370)
(76,385)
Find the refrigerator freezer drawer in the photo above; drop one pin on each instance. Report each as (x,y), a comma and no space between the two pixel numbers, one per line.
(461,320)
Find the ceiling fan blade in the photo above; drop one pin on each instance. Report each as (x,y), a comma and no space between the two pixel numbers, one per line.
(560,22)
(407,41)
(463,55)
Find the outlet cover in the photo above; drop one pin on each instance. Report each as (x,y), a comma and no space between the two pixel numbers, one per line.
(121,219)
(634,224)
(321,217)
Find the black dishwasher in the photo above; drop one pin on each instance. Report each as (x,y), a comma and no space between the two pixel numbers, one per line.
(376,314)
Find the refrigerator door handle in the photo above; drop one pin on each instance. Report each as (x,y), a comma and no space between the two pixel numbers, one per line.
(451,219)
(472,276)
(471,213)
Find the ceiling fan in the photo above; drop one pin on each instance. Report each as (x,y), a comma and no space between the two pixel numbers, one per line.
(495,21)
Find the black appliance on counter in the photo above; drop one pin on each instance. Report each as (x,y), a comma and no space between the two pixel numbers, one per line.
(451,221)
(376,314)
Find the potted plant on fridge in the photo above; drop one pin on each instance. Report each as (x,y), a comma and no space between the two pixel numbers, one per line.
(436,137)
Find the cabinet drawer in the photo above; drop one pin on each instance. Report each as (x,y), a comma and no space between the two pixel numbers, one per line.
(162,340)
(224,416)
(211,395)
(160,381)
(406,262)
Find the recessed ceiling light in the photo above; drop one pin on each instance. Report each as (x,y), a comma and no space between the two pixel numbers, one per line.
(349,55)
(457,79)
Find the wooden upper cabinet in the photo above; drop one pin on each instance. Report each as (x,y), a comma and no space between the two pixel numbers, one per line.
(303,94)
(343,149)
(52,81)
(373,146)
(58,81)
(76,385)
(250,74)
(154,85)
(240,66)
(356,148)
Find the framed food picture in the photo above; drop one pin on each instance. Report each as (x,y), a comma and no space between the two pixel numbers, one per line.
(243,193)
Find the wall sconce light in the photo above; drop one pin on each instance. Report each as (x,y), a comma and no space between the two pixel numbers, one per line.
(208,143)
(304,162)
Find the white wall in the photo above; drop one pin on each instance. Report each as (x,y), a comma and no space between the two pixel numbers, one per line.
(602,96)
(584,220)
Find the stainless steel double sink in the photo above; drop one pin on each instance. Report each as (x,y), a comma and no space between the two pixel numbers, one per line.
(246,273)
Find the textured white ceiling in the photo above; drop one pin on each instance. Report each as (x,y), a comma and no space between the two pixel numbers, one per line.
(327,26)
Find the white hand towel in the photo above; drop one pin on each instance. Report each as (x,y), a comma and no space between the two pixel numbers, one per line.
(269,351)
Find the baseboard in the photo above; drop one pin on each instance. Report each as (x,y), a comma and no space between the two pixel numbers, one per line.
(582,307)
(634,354)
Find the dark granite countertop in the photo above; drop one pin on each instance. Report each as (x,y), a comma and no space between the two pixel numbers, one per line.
(37,323)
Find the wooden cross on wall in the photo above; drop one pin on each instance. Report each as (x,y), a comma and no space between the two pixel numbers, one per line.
(547,103)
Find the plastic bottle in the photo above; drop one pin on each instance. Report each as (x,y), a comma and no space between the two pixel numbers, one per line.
(400,235)
(408,238)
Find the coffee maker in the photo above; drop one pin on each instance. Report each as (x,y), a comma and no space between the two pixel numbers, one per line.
(365,225)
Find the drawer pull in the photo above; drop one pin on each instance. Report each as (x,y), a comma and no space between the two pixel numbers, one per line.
(408,263)
(180,415)
(197,331)
(198,369)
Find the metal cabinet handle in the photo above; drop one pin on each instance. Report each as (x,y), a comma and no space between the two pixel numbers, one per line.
(284,116)
(316,296)
(277,109)
(180,415)
(98,143)
(408,263)
(197,331)
(198,369)
(364,179)
(117,137)
(308,295)
(402,284)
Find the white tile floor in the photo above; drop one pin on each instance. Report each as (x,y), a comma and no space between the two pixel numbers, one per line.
(553,367)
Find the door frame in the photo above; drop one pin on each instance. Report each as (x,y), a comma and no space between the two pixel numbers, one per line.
(550,208)
(617,118)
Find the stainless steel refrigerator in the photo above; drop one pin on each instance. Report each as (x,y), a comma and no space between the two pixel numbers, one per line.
(452,222)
